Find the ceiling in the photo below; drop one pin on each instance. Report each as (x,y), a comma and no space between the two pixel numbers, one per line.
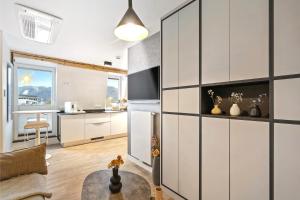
(87,31)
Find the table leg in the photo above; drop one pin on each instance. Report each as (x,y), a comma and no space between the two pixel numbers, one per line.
(37,136)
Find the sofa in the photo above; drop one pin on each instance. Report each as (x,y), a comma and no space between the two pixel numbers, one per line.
(23,174)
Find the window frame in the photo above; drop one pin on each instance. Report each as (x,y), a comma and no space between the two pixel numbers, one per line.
(53,70)
(115,77)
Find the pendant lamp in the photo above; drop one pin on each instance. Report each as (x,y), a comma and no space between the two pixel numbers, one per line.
(131,28)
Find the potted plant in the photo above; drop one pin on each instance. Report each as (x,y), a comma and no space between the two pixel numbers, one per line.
(217,100)
(115,181)
(156,160)
(254,105)
(235,98)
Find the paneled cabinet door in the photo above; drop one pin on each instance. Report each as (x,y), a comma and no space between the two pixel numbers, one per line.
(215,41)
(249,160)
(170,101)
(189,45)
(189,157)
(72,128)
(249,39)
(170,151)
(118,123)
(286,162)
(170,51)
(215,159)
(286,37)
(188,100)
(286,99)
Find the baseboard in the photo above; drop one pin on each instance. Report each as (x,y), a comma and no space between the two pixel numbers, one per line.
(139,163)
(80,142)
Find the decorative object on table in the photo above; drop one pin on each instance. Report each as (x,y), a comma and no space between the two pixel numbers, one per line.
(254,110)
(135,187)
(156,161)
(217,100)
(115,181)
(158,194)
(235,98)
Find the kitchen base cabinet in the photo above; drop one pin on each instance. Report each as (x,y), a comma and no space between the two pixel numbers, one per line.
(97,125)
(188,157)
(215,159)
(249,160)
(83,128)
(72,128)
(286,162)
(118,123)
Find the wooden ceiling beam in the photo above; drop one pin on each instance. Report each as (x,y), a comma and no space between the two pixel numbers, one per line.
(65,62)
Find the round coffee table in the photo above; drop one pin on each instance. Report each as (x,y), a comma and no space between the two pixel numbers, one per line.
(95,187)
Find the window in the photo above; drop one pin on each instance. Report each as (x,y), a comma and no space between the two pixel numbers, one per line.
(113,90)
(35,87)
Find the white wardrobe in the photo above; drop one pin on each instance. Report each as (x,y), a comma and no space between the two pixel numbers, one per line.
(226,45)
(180,102)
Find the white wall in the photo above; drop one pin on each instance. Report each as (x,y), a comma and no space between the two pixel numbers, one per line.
(1,102)
(86,87)
(6,127)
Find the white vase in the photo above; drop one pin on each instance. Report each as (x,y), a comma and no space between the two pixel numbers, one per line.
(235,110)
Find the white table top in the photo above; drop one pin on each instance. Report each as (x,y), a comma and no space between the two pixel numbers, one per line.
(35,111)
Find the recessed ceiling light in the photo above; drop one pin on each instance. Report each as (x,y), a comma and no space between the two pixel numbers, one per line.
(37,25)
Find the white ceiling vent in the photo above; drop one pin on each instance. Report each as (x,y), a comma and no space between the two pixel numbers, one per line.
(37,25)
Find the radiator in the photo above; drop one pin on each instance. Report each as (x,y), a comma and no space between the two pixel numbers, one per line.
(141,124)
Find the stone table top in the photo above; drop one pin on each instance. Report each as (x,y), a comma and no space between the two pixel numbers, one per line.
(95,187)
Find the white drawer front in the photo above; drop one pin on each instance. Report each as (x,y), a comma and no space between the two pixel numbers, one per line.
(94,130)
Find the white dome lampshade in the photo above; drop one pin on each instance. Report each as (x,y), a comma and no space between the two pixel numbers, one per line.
(131,28)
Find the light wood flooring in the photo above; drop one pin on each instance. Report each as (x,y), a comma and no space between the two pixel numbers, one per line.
(69,166)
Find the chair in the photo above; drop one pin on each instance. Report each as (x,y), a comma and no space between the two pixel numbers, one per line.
(32,120)
(37,125)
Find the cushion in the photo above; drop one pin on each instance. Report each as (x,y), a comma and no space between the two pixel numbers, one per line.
(25,161)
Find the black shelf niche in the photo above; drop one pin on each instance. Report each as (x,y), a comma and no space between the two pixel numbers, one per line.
(249,89)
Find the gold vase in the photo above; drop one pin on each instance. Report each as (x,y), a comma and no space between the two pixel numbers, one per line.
(216,110)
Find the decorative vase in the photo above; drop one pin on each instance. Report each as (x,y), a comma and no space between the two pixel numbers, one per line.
(254,111)
(156,171)
(158,194)
(235,110)
(216,110)
(115,181)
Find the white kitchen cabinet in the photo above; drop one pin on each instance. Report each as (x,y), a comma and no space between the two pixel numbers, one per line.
(170,100)
(249,39)
(188,100)
(215,41)
(170,151)
(189,157)
(72,128)
(170,51)
(286,37)
(118,123)
(215,159)
(249,160)
(188,46)
(97,125)
(286,162)
(286,99)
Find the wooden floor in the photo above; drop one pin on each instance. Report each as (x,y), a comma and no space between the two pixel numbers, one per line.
(69,166)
